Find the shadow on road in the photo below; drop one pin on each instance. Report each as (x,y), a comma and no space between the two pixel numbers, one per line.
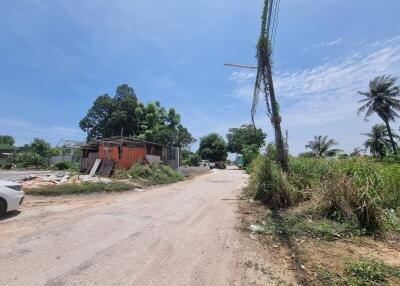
(9,215)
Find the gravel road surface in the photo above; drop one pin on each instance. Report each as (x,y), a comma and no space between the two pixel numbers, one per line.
(181,234)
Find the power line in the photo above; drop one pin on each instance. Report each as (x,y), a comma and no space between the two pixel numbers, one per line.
(269,14)
(277,8)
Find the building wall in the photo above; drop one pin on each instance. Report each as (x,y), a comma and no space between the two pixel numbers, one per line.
(124,157)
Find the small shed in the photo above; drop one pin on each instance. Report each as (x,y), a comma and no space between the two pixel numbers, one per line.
(123,152)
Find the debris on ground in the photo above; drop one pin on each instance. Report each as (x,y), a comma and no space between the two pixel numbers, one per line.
(58,178)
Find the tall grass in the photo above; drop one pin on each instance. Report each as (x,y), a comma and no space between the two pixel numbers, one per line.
(349,189)
(268,183)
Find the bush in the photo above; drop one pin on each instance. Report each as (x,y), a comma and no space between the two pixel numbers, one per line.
(63,165)
(268,183)
(194,160)
(28,159)
(121,174)
(155,173)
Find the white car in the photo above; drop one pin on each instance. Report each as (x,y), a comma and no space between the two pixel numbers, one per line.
(11,196)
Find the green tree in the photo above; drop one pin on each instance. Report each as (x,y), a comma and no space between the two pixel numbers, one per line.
(378,141)
(41,148)
(246,135)
(124,114)
(112,116)
(162,127)
(250,153)
(213,147)
(382,98)
(194,160)
(6,141)
(321,146)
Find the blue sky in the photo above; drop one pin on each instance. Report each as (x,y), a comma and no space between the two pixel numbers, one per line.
(58,56)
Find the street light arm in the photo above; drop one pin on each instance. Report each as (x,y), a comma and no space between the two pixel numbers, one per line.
(241,66)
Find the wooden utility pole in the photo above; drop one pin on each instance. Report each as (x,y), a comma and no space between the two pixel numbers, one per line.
(264,78)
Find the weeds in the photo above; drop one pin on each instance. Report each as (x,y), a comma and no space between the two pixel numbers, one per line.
(355,190)
(84,188)
(268,184)
(155,173)
(370,272)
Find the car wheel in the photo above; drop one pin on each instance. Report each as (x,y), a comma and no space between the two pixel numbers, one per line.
(2,208)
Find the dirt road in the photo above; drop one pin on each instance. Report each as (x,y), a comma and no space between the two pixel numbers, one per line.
(182,234)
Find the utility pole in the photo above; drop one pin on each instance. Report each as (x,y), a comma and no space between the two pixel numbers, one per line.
(264,77)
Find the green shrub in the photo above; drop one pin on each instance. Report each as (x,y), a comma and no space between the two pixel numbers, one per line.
(84,188)
(155,173)
(28,159)
(62,165)
(121,174)
(268,183)
(194,160)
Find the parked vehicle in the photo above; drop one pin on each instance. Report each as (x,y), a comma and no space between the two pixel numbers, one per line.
(11,196)
(239,161)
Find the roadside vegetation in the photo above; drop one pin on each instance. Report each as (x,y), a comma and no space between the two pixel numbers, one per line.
(338,214)
(83,188)
(152,174)
(331,204)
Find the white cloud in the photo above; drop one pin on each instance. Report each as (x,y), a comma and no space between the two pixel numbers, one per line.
(329,44)
(328,92)
(324,98)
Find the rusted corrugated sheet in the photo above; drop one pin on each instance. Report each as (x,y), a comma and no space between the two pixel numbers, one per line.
(130,155)
(108,152)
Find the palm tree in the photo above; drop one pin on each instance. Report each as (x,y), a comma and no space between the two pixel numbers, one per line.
(383,98)
(321,145)
(378,140)
(356,152)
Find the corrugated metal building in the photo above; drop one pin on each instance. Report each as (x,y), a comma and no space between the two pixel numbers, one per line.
(124,152)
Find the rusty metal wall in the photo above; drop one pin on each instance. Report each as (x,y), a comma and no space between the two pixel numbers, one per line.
(108,152)
(130,155)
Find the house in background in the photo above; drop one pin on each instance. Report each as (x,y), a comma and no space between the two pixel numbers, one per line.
(123,152)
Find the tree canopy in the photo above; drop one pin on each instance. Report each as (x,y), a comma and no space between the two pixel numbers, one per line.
(123,114)
(213,147)
(246,135)
(6,141)
(382,98)
(321,146)
(378,141)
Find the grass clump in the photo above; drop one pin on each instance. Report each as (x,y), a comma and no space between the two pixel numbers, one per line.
(370,272)
(155,173)
(84,188)
(341,200)
(269,184)
(121,175)
(297,224)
